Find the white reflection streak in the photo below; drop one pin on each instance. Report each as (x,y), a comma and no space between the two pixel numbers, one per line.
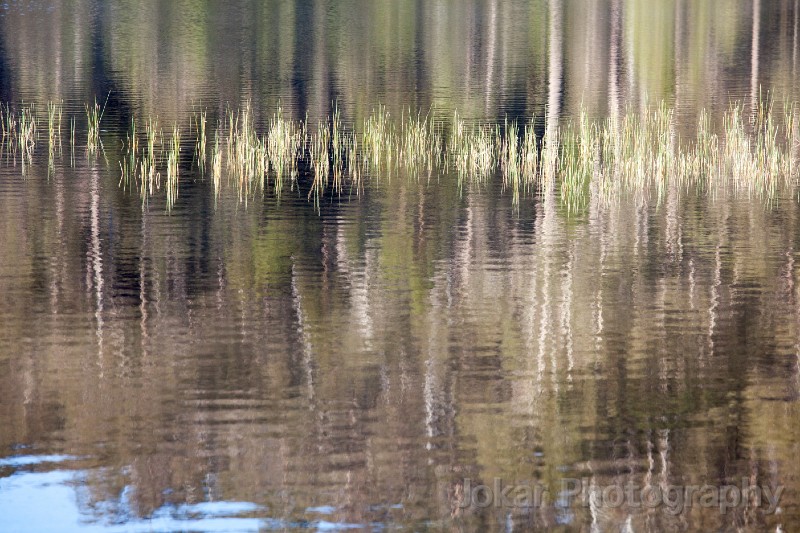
(678,53)
(651,463)
(555,67)
(566,311)
(491,52)
(674,234)
(56,278)
(429,391)
(547,227)
(663,444)
(613,55)
(712,310)
(430,378)
(464,253)
(297,304)
(665,360)
(546,237)
(553,97)
(754,88)
(142,288)
(97,260)
(359,284)
(530,338)
(794,39)
(715,288)
(545,321)
(594,508)
(692,286)
(432,383)
(598,299)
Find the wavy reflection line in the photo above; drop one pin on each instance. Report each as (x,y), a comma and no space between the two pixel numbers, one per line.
(96,261)
(715,288)
(305,337)
(566,310)
(142,287)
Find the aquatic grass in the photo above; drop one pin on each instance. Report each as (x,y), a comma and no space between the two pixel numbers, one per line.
(510,162)
(529,156)
(319,155)
(130,163)
(149,176)
(246,153)
(353,168)
(701,165)
(580,149)
(9,125)
(54,116)
(473,150)
(173,167)
(753,152)
(94,114)
(26,136)
(419,145)
(216,164)
(284,146)
(549,154)
(337,149)
(791,138)
(201,142)
(378,141)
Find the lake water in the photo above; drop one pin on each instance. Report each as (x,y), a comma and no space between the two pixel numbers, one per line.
(393,358)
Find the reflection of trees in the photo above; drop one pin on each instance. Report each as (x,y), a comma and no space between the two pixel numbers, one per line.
(165,58)
(392,345)
(380,351)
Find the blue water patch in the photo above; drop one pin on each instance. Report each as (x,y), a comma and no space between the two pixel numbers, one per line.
(322,509)
(210,509)
(322,525)
(44,502)
(18,461)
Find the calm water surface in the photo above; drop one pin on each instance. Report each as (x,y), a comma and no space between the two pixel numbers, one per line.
(233,366)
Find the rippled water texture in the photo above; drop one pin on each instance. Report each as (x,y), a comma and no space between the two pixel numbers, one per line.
(365,360)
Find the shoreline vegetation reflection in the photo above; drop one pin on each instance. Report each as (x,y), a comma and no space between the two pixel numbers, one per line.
(641,152)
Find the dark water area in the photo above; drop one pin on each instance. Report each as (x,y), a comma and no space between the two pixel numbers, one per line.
(389,358)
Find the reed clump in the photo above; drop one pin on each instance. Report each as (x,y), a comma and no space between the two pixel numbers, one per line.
(140,165)
(173,167)
(579,161)
(27,136)
(319,155)
(200,121)
(420,145)
(284,146)
(94,114)
(216,164)
(378,139)
(8,123)
(129,164)
(473,149)
(54,117)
